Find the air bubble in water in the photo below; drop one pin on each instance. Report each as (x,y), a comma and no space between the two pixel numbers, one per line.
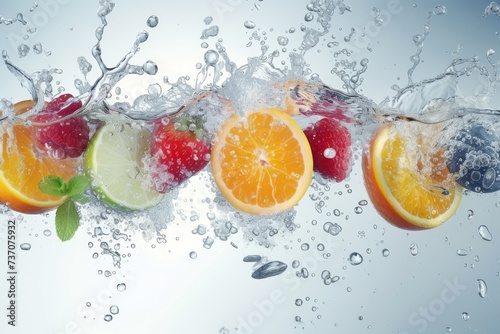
(25,246)
(283,41)
(249,24)
(23,50)
(332,228)
(150,67)
(482,288)
(485,233)
(108,317)
(414,249)
(461,252)
(121,287)
(465,316)
(47,233)
(114,309)
(37,48)
(208,20)
(152,21)
(385,252)
(269,269)
(210,32)
(304,246)
(440,10)
(309,17)
(329,153)
(193,255)
(211,57)
(355,259)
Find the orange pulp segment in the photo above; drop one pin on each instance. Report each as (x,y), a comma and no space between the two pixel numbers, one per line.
(22,166)
(262,164)
(410,190)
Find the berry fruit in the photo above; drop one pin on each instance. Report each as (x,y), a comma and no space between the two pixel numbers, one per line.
(330,143)
(475,157)
(62,139)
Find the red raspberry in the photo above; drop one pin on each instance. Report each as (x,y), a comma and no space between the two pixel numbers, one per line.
(65,139)
(330,143)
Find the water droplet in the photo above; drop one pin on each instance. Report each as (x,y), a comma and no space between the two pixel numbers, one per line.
(193,255)
(252,258)
(25,246)
(108,317)
(320,247)
(88,304)
(121,287)
(23,50)
(332,228)
(152,21)
(269,269)
(482,288)
(329,153)
(47,233)
(211,57)
(304,246)
(465,316)
(440,10)
(210,32)
(385,252)
(249,24)
(448,329)
(298,302)
(309,17)
(485,233)
(150,67)
(414,249)
(283,41)
(114,309)
(295,264)
(470,214)
(461,252)
(358,210)
(355,259)
(298,319)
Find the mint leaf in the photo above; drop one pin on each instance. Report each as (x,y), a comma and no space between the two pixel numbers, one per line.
(76,185)
(67,220)
(53,185)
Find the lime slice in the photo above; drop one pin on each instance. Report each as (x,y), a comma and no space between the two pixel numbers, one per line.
(115,163)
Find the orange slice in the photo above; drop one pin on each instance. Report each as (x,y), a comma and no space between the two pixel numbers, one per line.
(407,179)
(262,164)
(22,166)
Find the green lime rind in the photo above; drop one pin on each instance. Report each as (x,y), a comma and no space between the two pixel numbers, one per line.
(114,162)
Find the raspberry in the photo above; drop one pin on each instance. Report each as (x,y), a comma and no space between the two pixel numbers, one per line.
(65,139)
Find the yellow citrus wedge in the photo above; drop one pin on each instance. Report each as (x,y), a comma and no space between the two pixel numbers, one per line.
(407,181)
(22,166)
(262,164)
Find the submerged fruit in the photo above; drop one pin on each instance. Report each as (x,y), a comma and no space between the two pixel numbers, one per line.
(23,165)
(116,162)
(262,164)
(407,181)
(475,158)
(330,143)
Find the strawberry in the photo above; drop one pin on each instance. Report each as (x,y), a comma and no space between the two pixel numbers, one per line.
(330,143)
(65,139)
(179,149)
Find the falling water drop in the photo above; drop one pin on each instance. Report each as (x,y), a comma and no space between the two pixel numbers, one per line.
(152,21)
(482,288)
(485,233)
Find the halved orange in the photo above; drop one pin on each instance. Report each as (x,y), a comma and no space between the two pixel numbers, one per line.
(22,166)
(262,163)
(407,179)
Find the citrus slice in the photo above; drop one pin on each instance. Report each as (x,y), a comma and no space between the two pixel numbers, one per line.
(115,162)
(408,181)
(22,166)
(262,164)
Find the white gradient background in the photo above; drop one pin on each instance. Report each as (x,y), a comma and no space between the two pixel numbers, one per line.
(170,293)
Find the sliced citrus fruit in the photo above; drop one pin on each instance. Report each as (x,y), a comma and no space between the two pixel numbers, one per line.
(116,163)
(262,163)
(22,166)
(408,181)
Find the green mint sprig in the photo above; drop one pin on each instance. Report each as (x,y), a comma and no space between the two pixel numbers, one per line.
(67,218)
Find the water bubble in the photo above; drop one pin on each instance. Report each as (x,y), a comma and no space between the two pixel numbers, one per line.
(461,252)
(485,233)
(108,317)
(298,302)
(482,288)
(269,269)
(448,329)
(465,316)
(298,319)
(283,41)
(252,258)
(150,67)
(414,249)
(249,24)
(121,287)
(211,57)
(320,247)
(355,259)
(152,21)
(440,10)
(304,272)
(88,304)
(23,50)
(295,264)
(363,202)
(193,255)
(114,309)
(358,210)
(47,233)
(329,153)
(304,246)
(385,252)
(309,17)
(25,246)
(210,32)
(208,20)
(332,228)
(38,48)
